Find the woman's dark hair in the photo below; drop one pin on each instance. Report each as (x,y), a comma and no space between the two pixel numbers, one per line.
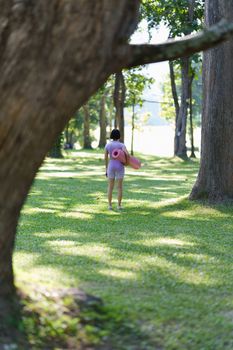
(115,134)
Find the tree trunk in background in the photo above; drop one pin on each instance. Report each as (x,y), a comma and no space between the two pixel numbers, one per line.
(192,155)
(174,89)
(215,178)
(86,128)
(180,149)
(66,135)
(133,127)
(119,102)
(69,138)
(122,117)
(180,132)
(53,56)
(110,119)
(116,100)
(175,100)
(192,4)
(56,150)
(102,122)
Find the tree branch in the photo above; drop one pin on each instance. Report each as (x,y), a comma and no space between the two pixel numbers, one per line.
(135,55)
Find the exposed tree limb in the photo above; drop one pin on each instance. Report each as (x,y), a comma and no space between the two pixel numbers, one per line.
(134,55)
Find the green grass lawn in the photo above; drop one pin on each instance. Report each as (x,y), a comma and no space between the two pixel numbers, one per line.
(164,263)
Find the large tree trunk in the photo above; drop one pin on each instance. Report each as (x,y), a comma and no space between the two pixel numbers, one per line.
(119,102)
(102,122)
(215,179)
(53,56)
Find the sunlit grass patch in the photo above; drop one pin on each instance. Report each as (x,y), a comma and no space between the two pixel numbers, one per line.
(165,262)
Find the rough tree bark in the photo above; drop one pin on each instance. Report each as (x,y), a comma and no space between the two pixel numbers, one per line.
(53,56)
(215,178)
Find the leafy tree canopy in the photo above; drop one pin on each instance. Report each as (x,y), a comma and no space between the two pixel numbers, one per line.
(174,14)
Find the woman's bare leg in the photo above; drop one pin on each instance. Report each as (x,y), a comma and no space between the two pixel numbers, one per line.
(120,191)
(110,189)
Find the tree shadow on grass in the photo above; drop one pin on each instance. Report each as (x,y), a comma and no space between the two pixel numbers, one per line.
(177,278)
(182,242)
(154,260)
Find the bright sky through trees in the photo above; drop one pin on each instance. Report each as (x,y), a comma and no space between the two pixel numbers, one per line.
(157,70)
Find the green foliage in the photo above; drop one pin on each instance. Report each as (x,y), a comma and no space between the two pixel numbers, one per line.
(72,131)
(136,83)
(76,124)
(174,14)
(56,150)
(167,106)
(54,320)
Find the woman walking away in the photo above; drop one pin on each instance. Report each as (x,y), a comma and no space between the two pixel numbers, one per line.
(115,170)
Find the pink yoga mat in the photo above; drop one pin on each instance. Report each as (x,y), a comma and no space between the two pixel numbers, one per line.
(121,156)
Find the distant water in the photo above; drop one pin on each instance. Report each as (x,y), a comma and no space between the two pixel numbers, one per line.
(153,140)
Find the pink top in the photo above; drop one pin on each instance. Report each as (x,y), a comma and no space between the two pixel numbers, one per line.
(114,163)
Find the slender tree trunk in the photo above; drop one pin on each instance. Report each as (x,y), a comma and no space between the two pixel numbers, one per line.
(192,4)
(66,134)
(56,150)
(86,128)
(180,132)
(110,118)
(102,122)
(192,155)
(122,118)
(119,102)
(133,127)
(215,179)
(116,99)
(176,102)
(174,89)
(69,137)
